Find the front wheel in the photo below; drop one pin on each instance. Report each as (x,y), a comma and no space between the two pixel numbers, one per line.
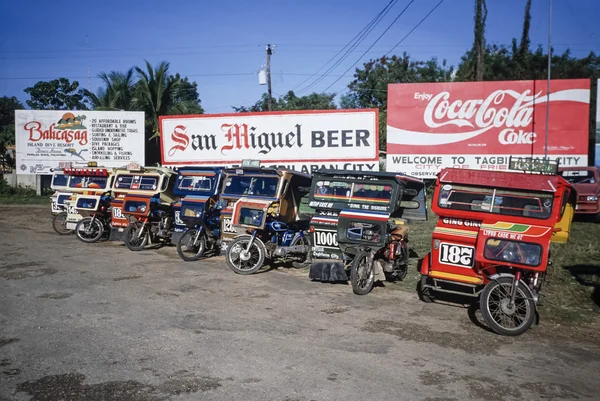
(362,275)
(191,245)
(244,260)
(499,314)
(59,224)
(89,229)
(134,239)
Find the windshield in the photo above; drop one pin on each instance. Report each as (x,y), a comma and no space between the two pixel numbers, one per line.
(248,185)
(490,200)
(340,191)
(60,180)
(579,176)
(137,182)
(195,183)
(88,182)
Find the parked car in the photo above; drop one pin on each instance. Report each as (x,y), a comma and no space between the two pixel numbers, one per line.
(586,181)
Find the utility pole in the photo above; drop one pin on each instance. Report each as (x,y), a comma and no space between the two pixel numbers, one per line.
(549,67)
(269,100)
(88,63)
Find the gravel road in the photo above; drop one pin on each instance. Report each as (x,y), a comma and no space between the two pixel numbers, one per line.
(99,322)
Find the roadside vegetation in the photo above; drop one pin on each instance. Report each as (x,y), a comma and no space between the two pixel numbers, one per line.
(20,195)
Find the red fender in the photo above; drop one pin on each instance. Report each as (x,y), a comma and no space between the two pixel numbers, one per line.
(425,264)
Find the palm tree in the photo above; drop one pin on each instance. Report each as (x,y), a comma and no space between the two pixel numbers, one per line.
(155,93)
(117,93)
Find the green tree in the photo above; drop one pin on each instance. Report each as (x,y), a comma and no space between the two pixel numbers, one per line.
(186,99)
(370,84)
(8,105)
(289,101)
(58,94)
(117,92)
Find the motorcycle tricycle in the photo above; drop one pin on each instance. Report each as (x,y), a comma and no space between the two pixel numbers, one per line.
(96,213)
(203,228)
(360,230)
(492,239)
(271,219)
(150,221)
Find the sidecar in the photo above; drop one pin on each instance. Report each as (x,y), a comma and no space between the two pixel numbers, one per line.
(358,210)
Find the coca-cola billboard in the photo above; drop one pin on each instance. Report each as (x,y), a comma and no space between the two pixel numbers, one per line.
(300,140)
(480,124)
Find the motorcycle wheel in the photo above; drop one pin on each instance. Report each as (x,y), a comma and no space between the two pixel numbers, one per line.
(505,320)
(89,231)
(362,275)
(306,260)
(242,262)
(187,250)
(59,224)
(131,237)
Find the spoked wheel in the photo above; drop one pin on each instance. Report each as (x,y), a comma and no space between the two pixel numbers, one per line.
(191,245)
(499,314)
(361,274)
(303,260)
(59,224)
(135,240)
(89,229)
(242,260)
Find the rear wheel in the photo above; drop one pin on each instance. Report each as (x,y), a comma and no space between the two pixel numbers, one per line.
(59,224)
(362,275)
(135,240)
(425,293)
(89,229)
(244,260)
(189,247)
(499,314)
(303,260)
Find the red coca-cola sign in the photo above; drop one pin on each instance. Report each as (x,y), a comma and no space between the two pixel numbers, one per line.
(480,124)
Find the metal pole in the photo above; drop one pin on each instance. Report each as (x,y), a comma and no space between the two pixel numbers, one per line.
(88,63)
(549,69)
(269,99)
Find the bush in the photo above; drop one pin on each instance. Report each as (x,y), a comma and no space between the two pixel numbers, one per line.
(8,190)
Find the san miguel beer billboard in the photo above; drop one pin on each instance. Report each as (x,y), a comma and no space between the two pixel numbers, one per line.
(300,140)
(50,139)
(480,124)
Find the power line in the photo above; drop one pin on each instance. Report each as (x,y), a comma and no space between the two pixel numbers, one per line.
(182,75)
(357,39)
(374,43)
(416,26)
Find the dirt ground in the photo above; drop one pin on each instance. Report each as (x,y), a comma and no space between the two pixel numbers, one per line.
(99,322)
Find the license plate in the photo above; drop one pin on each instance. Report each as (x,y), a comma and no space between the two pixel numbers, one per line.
(121,229)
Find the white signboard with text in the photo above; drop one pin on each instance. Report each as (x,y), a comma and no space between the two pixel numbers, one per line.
(50,139)
(300,140)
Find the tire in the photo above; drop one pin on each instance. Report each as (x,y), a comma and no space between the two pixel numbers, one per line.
(94,225)
(59,223)
(402,272)
(307,260)
(424,293)
(187,239)
(131,240)
(360,284)
(496,314)
(256,254)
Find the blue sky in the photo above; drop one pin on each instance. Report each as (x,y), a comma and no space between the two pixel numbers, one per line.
(221,44)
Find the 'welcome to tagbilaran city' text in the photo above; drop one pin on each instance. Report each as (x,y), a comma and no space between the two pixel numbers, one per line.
(106,136)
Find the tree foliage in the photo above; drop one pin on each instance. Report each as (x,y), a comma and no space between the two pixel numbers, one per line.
(290,101)
(8,105)
(369,87)
(58,94)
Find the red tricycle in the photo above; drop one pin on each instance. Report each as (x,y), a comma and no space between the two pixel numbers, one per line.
(493,236)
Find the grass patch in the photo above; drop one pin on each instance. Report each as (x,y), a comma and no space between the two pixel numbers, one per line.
(24,200)
(571,291)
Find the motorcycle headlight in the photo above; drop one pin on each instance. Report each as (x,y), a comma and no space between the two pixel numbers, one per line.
(592,198)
